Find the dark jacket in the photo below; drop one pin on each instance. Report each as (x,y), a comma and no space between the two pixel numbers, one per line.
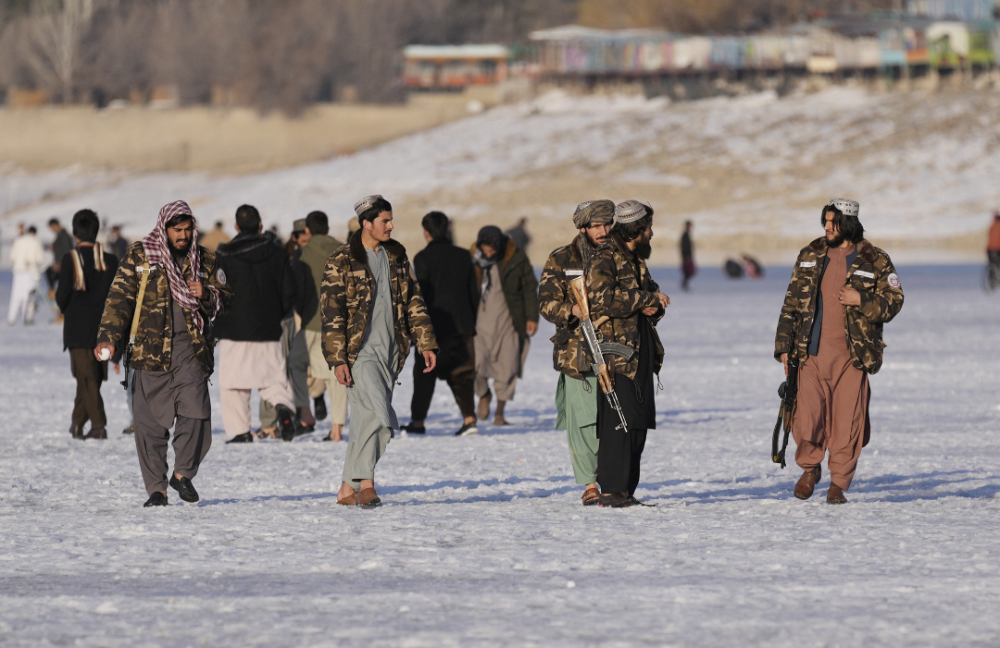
(448,283)
(260,275)
(62,246)
(871,274)
(82,309)
(313,258)
(349,294)
(520,287)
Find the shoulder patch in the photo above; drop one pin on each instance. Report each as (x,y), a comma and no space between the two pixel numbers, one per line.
(894,280)
(221,274)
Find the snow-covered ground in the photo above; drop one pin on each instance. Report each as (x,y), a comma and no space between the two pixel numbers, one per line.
(482,540)
(751,171)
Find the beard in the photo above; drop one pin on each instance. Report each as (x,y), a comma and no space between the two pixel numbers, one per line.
(643,250)
(836,241)
(179,252)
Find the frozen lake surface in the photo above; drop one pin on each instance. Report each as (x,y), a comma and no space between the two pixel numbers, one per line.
(482,540)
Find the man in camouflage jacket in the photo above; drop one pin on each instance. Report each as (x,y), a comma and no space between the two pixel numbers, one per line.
(577,391)
(627,303)
(171,355)
(843,289)
(372,310)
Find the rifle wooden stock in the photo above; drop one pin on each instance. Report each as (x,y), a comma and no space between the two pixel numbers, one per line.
(578,287)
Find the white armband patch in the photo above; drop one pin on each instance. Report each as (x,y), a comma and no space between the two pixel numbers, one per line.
(807,264)
(862,273)
(894,280)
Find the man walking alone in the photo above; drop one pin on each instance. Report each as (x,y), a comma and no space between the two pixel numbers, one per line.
(167,316)
(621,290)
(85,276)
(250,355)
(448,285)
(372,310)
(577,391)
(507,317)
(843,289)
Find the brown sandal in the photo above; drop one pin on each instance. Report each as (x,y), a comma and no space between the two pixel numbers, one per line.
(591,496)
(368,498)
(350,500)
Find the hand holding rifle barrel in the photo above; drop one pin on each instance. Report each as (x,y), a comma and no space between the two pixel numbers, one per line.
(578,287)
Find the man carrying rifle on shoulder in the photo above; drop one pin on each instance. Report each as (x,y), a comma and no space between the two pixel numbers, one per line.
(577,391)
(627,304)
(843,289)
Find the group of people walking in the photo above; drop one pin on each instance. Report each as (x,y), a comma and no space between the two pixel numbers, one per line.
(344,316)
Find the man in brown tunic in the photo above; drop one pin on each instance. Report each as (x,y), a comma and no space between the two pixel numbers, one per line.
(842,291)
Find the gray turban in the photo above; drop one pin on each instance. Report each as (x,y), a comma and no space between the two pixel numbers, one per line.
(593,211)
(365,204)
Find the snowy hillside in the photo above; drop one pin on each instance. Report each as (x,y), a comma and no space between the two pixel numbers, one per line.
(482,540)
(751,172)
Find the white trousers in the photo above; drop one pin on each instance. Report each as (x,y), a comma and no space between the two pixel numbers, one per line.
(321,371)
(244,366)
(21,299)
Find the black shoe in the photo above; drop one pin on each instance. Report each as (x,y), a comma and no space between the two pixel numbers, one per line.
(246,437)
(304,429)
(75,431)
(319,408)
(468,429)
(129,430)
(156,499)
(184,488)
(286,422)
(410,428)
(614,500)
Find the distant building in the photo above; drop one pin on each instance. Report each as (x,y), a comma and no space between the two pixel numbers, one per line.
(454,67)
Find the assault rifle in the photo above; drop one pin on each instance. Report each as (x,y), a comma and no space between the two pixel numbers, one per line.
(578,287)
(787,391)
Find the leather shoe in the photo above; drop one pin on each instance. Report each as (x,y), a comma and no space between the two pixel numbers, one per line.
(246,437)
(350,500)
(614,500)
(75,431)
(99,433)
(807,483)
(368,498)
(156,499)
(184,488)
(410,428)
(835,495)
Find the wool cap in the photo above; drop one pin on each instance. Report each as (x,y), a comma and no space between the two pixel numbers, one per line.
(846,207)
(299,225)
(593,211)
(630,211)
(365,204)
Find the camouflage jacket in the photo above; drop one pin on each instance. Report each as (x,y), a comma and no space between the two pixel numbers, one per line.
(871,274)
(154,336)
(347,296)
(555,302)
(618,287)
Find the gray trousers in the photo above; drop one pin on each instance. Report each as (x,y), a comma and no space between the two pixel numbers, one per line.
(192,440)
(365,445)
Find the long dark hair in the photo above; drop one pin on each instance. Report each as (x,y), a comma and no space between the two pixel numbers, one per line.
(849,226)
(632,231)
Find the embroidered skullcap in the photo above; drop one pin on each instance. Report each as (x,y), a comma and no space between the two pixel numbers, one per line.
(846,207)
(299,225)
(365,204)
(593,211)
(630,211)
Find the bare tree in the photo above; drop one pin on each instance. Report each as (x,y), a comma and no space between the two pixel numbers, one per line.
(57,28)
